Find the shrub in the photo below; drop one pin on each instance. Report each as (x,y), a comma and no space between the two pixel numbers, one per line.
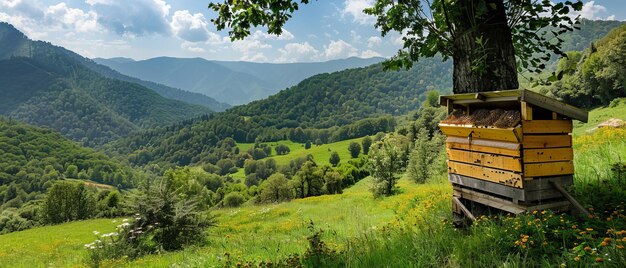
(334,159)
(282,149)
(366,143)
(355,149)
(233,199)
(163,222)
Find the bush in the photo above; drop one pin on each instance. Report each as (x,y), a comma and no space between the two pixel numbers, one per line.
(233,199)
(282,149)
(366,143)
(355,149)
(334,159)
(163,222)
(68,201)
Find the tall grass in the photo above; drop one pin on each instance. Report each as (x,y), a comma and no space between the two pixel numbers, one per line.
(595,183)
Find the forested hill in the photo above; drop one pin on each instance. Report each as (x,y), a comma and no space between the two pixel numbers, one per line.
(324,108)
(163,90)
(33,158)
(229,81)
(344,97)
(579,40)
(595,76)
(46,85)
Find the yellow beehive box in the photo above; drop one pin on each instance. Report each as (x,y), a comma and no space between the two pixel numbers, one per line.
(509,143)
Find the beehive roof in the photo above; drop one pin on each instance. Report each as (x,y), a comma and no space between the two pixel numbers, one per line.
(518,95)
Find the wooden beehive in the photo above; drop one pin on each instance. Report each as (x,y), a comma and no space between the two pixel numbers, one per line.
(510,150)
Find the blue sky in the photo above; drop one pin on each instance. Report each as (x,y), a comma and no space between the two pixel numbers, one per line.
(140,29)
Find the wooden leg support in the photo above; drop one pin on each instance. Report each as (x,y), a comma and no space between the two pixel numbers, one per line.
(464,209)
(570,198)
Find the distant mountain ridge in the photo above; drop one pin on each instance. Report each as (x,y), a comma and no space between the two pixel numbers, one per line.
(232,82)
(46,85)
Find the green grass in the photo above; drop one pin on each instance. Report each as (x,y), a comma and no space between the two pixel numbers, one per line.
(262,232)
(51,246)
(321,154)
(599,115)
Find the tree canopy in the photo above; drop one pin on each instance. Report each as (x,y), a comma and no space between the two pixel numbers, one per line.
(482,36)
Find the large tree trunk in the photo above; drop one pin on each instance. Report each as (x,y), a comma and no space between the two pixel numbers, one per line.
(487,67)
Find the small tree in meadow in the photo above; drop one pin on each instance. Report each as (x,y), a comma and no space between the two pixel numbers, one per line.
(68,201)
(423,158)
(366,143)
(234,199)
(334,159)
(386,160)
(282,149)
(307,145)
(355,149)
(276,189)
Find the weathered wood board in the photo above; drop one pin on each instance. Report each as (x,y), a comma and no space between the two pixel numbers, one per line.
(498,134)
(492,187)
(547,126)
(487,160)
(548,169)
(546,141)
(484,146)
(488,200)
(484,173)
(548,155)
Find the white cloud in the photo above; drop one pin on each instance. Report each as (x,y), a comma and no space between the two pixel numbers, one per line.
(612,17)
(259,35)
(249,49)
(24,24)
(258,57)
(297,52)
(192,47)
(374,41)
(36,20)
(369,54)
(590,10)
(354,8)
(192,28)
(72,18)
(133,18)
(29,8)
(339,49)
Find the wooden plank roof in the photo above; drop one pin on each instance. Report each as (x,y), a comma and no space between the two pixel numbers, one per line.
(518,95)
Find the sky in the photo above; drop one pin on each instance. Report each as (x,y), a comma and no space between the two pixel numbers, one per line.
(141,29)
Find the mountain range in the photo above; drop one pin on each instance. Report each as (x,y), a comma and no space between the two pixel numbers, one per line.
(232,82)
(46,85)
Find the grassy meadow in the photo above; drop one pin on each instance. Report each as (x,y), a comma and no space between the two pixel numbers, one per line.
(51,246)
(321,153)
(409,229)
(250,233)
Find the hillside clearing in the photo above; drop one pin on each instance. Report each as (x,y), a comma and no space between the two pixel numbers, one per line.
(253,232)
